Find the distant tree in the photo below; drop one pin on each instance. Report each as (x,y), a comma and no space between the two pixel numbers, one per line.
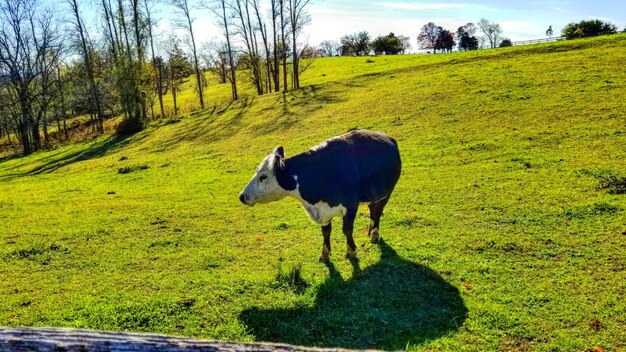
(178,68)
(405,43)
(185,21)
(216,60)
(429,34)
(388,45)
(93,90)
(588,28)
(218,8)
(355,44)
(466,35)
(491,30)
(330,47)
(445,41)
(505,42)
(298,18)
(549,32)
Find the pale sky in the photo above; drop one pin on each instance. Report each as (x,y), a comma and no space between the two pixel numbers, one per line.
(332,19)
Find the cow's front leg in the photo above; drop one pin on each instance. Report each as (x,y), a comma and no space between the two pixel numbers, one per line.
(326,248)
(348,228)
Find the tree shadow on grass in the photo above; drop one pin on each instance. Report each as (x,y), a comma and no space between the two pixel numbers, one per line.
(387,306)
(53,161)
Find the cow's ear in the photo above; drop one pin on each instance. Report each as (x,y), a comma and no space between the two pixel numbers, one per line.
(280,151)
(278,164)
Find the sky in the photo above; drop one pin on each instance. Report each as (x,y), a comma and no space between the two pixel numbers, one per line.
(520,20)
(332,19)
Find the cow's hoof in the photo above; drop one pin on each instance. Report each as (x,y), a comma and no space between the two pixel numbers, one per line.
(325,257)
(350,253)
(374,236)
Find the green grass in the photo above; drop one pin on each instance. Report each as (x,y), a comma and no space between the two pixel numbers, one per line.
(506,230)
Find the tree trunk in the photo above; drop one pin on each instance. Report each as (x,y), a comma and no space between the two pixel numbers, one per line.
(233,79)
(34,127)
(275,38)
(194,51)
(282,47)
(23,127)
(46,138)
(158,70)
(89,68)
(174,97)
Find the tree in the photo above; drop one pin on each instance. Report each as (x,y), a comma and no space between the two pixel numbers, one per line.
(298,18)
(505,42)
(405,43)
(466,35)
(588,28)
(218,7)
(157,66)
(283,41)
(445,41)
(388,45)
(178,68)
(330,48)
(429,34)
(215,56)
(549,32)
(491,30)
(29,47)
(93,87)
(243,24)
(187,23)
(355,44)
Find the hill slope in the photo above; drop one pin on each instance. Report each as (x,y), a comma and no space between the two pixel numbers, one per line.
(505,232)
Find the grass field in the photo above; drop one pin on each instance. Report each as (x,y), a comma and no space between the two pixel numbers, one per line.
(506,231)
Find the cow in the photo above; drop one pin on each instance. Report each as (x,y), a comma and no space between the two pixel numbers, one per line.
(331,179)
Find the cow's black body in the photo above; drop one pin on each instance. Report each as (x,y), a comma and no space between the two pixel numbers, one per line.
(357,167)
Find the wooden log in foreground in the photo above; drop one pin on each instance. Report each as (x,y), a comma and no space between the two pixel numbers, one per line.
(77,340)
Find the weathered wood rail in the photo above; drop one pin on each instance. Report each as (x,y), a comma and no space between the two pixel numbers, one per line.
(77,340)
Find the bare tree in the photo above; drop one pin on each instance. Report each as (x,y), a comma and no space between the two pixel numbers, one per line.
(241,10)
(330,47)
(427,39)
(283,42)
(215,57)
(28,45)
(491,30)
(218,8)
(93,87)
(263,30)
(275,14)
(298,18)
(158,72)
(187,24)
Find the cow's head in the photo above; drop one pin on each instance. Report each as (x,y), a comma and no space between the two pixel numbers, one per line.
(264,187)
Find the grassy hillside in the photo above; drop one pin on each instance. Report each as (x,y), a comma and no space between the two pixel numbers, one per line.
(506,230)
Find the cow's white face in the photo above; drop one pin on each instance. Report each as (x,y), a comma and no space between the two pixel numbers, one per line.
(264,187)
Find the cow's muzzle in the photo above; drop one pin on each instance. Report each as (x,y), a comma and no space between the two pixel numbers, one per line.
(243,198)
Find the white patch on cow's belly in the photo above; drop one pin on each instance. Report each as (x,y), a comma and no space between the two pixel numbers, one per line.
(322,213)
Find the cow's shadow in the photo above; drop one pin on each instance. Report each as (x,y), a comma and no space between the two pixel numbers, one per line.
(389,305)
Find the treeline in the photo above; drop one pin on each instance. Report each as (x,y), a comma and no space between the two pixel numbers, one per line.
(488,34)
(54,67)
(467,37)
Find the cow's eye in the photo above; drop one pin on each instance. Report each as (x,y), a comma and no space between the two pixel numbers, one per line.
(263,177)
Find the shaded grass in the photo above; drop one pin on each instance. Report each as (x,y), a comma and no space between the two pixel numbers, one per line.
(502,238)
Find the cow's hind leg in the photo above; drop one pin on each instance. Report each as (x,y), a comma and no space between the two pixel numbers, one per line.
(348,229)
(326,248)
(376,211)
